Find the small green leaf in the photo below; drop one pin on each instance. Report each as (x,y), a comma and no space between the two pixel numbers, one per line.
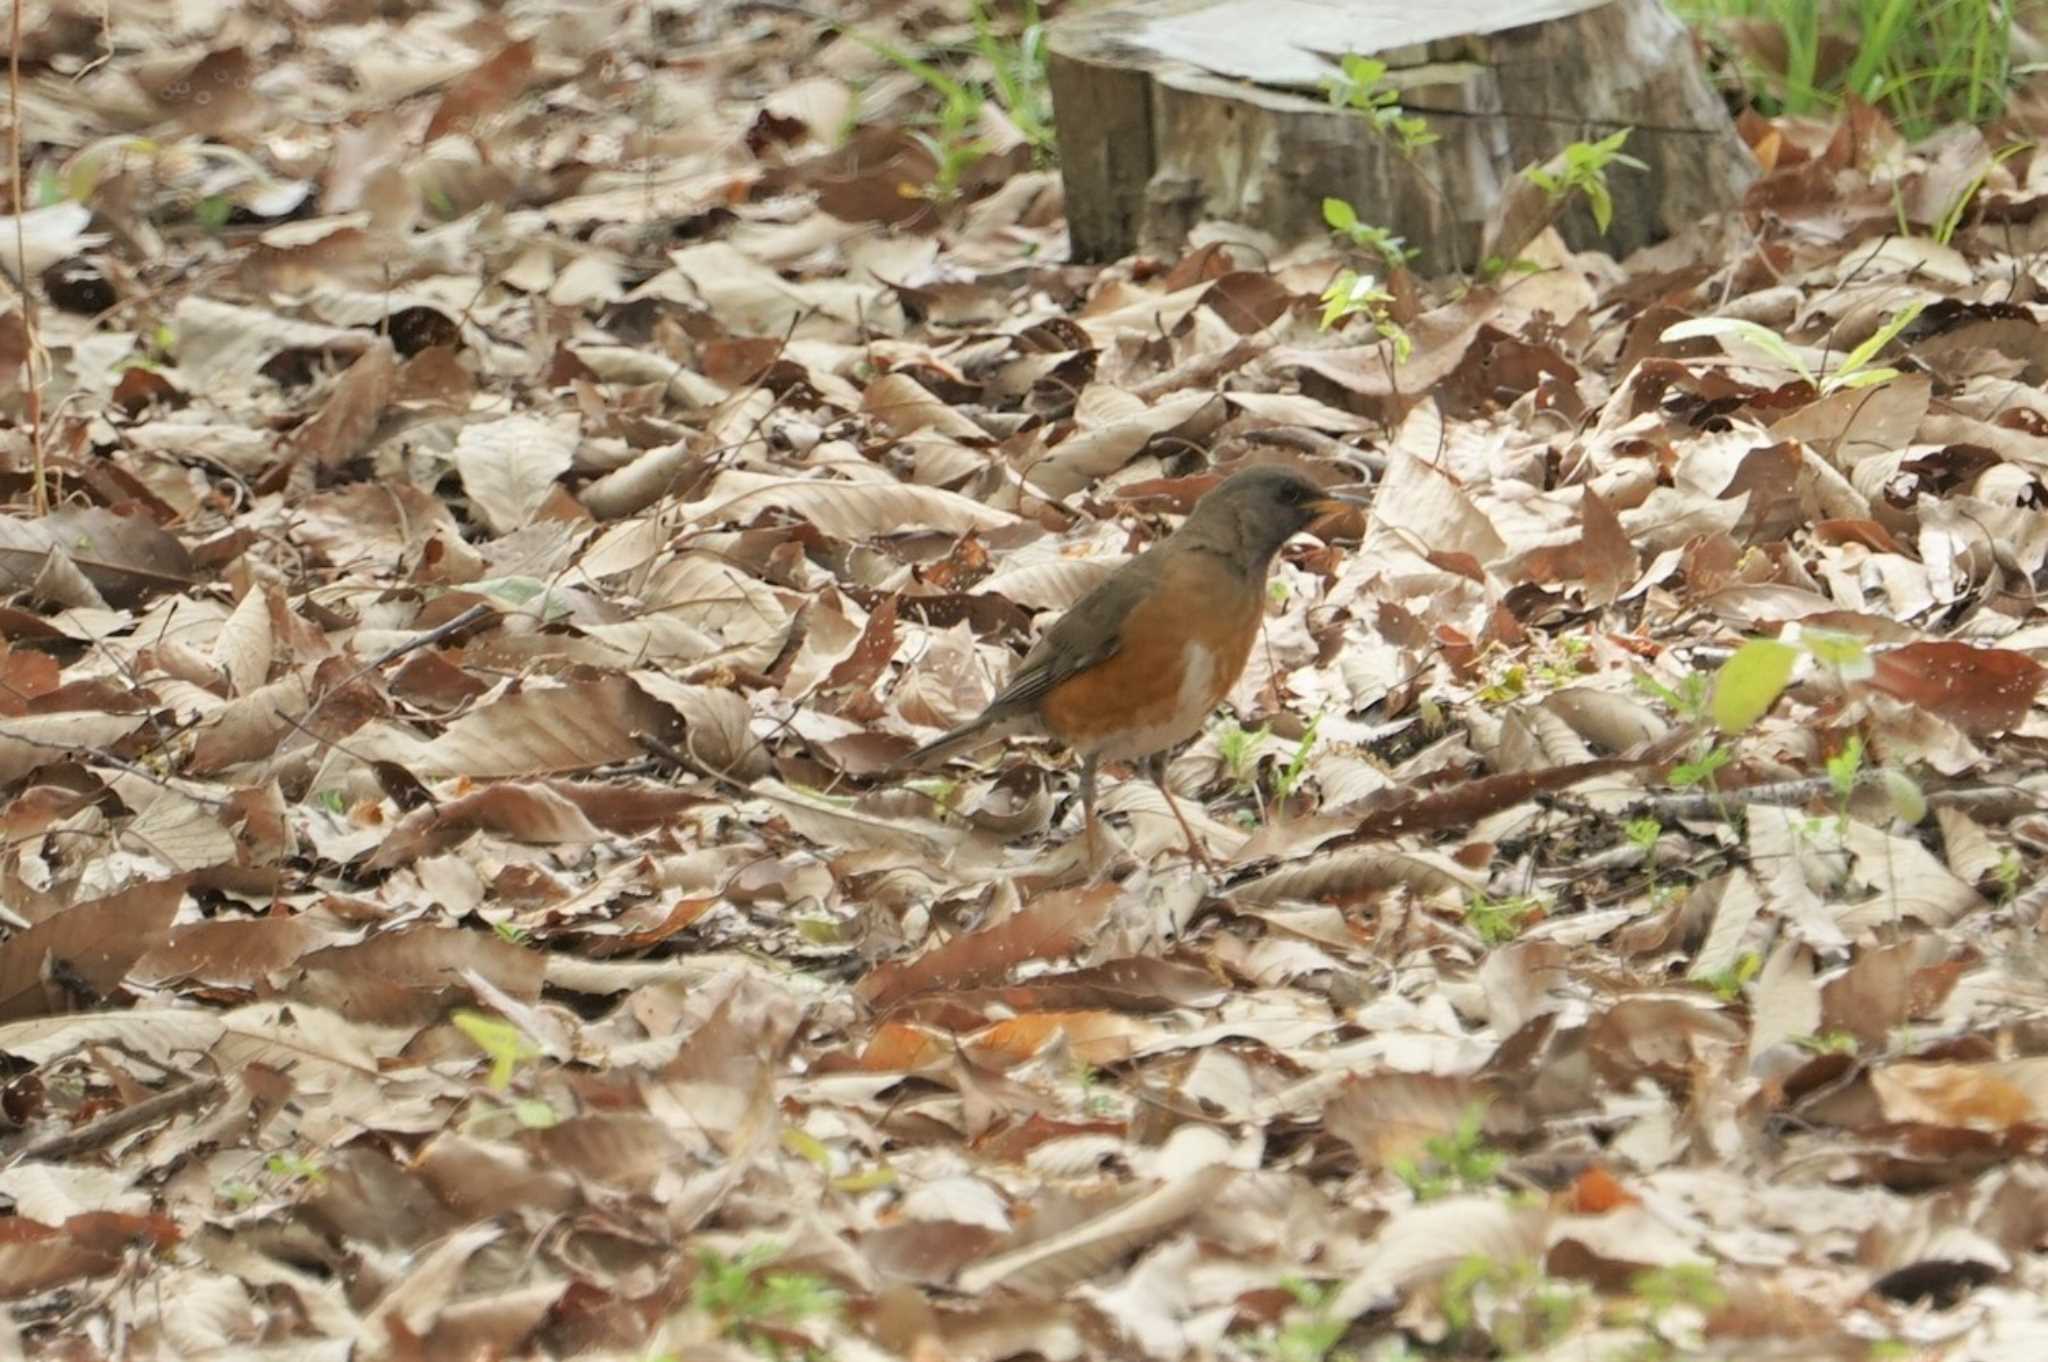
(808,1147)
(867,1180)
(1882,337)
(1861,378)
(213,212)
(1602,204)
(1685,775)
(1845,654)
(1844,766)
(1720,328)
(505,1043)
(821,931)
(1751,683)
(1909,801)
(1339,214)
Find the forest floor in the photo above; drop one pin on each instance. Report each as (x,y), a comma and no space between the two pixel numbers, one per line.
(515,488)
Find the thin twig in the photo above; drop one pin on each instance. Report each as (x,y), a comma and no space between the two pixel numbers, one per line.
(31,323)
(1982,801)
(425,640)
(112,1126)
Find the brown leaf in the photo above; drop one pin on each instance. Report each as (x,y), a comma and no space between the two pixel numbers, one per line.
(544,730)
(1981,690)
(126,558)
(78,957)
(1052,926)
(212,95)
(346,420)
(483,91)
(520,813)
(1966,1096)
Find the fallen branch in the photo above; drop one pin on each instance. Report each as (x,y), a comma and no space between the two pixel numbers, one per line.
(106,1129)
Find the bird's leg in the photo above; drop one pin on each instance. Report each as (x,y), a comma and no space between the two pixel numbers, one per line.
(1088,805)
(1156,764)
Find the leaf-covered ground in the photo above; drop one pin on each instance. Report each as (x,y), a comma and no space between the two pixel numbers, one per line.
(518,478)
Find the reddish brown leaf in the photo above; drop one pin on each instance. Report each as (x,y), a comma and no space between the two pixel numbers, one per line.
(1981,690)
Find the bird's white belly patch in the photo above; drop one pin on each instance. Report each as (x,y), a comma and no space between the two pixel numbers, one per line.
(1168,725)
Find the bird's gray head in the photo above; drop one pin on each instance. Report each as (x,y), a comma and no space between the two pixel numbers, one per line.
(1251,514)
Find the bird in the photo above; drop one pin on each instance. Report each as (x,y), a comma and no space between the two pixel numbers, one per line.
(1138,664)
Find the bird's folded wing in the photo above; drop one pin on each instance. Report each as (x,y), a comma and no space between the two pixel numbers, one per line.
(1086,636)
(1037,676)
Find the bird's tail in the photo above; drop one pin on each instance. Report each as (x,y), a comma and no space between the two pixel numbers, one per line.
(967,736)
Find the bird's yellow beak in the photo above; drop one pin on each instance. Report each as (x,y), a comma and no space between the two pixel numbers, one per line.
(1339,503)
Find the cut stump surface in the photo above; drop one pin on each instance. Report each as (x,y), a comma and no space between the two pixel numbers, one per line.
(1174,112)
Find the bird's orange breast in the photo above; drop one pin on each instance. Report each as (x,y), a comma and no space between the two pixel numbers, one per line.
(1183,648)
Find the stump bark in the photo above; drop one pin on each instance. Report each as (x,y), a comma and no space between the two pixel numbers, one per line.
(1173,112)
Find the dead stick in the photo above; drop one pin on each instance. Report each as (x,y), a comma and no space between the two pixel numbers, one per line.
(112,1126)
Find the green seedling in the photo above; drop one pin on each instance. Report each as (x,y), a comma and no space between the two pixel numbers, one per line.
(1523,1308)
(1584,171)
(1855,370)
(1511,684)
(1844,767)
(1952,218)
(294,1167)
(1239,747)
(1352,294)
(940,790)
(1727,984)
(1344,222)
(1499,921)
(2007,877)
(1567,666)
(213,212)
(505,1044)
(756,1308)
(1680,1284)
(1362,88)
(1461,1161)
(954,148)
(949,135)
(1688,701)
(1751,681)
(238,1195)
(1019,68)
(1702,770)
(1642,834)
(1311,1334)
(1017,72)
(1291,774)
(1661,1298)
(159,353)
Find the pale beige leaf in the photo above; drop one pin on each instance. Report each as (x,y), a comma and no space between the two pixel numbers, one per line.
(509,467)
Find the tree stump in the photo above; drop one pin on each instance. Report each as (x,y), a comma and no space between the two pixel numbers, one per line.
(1173,112)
